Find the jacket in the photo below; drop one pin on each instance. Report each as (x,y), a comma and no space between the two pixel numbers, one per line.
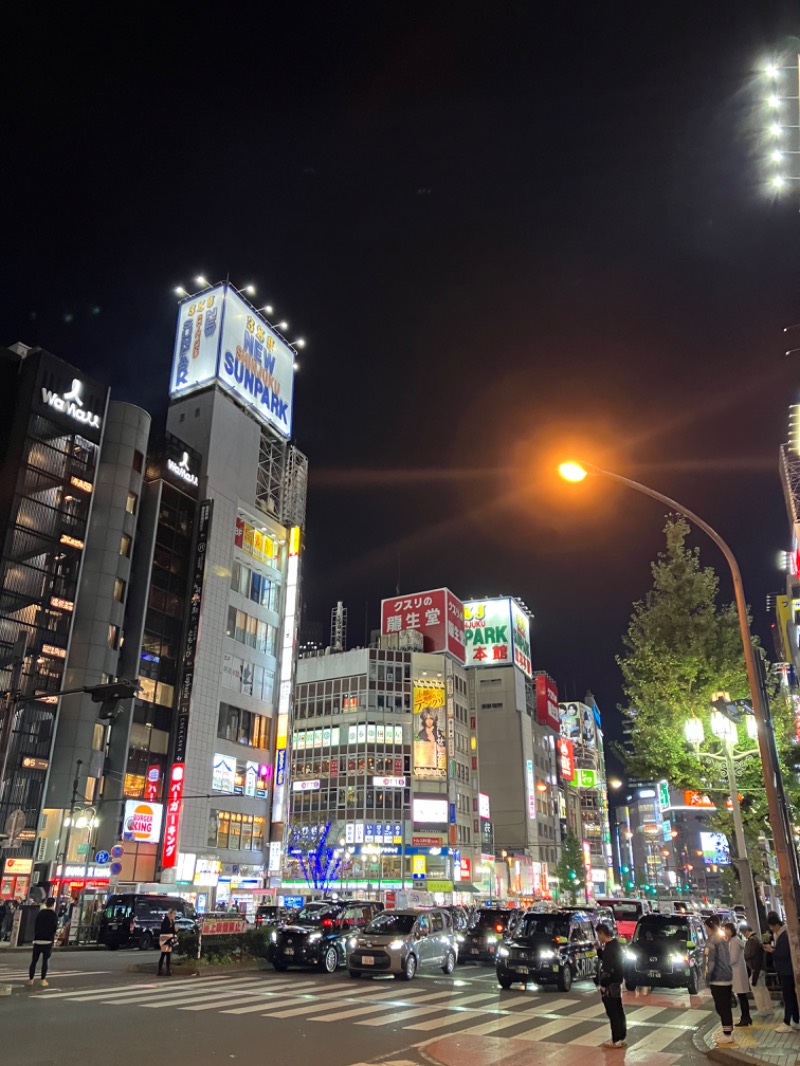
(612,970)
(781,956)
(718,961)
(44,931)
(754,956)
(741,982)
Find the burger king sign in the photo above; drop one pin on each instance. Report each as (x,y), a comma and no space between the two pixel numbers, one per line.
(142,822)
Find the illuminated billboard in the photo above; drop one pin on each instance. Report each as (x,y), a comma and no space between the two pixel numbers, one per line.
(716,851)
(497,633)
(430,744)
(430,811)
(142,822)
(221,338)
(437,614)
(547,712)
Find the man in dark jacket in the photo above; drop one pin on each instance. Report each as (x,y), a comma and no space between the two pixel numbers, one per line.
(610,983)
(44,935)
(782,960)
(754,955)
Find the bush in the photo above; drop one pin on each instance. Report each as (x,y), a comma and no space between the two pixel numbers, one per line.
(253,944)
(257,941)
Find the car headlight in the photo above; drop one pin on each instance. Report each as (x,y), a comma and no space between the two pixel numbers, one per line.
(352,942)
(273,936)
(459,938)
(548,953)
(396,945)
(678,960)
(315,936)
(490,939)
(503,953)
(630,956)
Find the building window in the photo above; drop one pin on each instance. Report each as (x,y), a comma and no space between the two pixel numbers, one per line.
(125,545)
(243,727)
(113,637)
(239,832)
(138,461)
(130,506)
(119,590)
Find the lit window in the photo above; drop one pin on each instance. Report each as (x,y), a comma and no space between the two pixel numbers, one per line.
(130,506)
(113,637)
(125,545)
(119,590)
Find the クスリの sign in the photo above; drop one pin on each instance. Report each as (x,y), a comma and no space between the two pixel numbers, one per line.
(437,614)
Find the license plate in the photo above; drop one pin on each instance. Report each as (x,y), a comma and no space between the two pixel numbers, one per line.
(368,960)
(522,969)
(288,951)
(475,951)
(654,973)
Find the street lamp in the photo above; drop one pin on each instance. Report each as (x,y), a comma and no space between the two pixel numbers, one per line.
(724,729)
(773,781)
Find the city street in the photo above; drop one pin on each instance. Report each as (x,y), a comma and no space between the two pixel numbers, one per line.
(95,1012)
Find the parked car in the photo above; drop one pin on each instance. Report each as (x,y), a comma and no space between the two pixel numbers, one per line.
(478,943)
(400,942)
(596,915)
(317,935)
(134,919)
(549,947)
(461,917)
(666,951)
(627,913)
(269,914)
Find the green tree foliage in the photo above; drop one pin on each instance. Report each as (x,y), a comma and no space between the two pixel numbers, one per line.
(570,870)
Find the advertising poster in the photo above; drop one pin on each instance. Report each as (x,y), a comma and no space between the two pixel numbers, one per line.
(716,851)
(142,822)
(571,721)
(547,712)
(430,744)
(497,633)
(437,614)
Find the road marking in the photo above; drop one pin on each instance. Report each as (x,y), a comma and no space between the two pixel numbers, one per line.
(157,989)
(542,1032)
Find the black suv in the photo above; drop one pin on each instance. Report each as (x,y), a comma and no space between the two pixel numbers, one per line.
(318,935)
(479,941)
(268,914)
(134,919)
(666,950)
(555,947)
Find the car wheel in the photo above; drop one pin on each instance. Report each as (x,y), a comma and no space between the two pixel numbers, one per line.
(409,968)
(145,942)
(354,973)
(505,981)
(691,988)
(281,967)
(564,979)
(449,963)
(330,960)
(113,946)
(630,985)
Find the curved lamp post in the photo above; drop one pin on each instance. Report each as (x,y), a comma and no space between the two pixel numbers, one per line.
(773,783)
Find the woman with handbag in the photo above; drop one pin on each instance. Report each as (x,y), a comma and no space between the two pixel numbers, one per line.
(167,939)
(741,981)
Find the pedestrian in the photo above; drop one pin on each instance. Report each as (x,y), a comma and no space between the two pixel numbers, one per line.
(741,982)
(719,976)
(167,939)
(782,960)
(44,935)
(8,919)
(754,956)
(610,984)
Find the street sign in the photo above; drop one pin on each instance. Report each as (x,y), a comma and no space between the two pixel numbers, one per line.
(116,868)
(102,858)
(117,851)
(663,793)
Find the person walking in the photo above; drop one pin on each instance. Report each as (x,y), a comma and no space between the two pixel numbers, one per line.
(719,976)
(44,935)
(782,960)
(609,981)
(166,941)
(741,982)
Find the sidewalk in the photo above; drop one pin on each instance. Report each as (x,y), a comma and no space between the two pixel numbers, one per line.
(755,1044)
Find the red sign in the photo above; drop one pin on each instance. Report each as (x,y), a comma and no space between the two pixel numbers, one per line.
(465,865)
(547,712)
(426,842)
(566,758)
(437,614)
(152,784)
(169,852)
(698,799)
(238,537)
(223,926)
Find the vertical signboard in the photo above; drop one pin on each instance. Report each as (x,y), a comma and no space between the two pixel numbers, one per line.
(430,743)
(288,640)
(437,614)
(521,639)
(169,851)
(531,786)
(497,633)
(547,712)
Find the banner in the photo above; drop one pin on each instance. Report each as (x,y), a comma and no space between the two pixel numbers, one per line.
(430,743)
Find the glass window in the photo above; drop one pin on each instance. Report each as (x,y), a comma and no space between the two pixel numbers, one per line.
(235,832)
(130,506)
(125,545)
(119,590)
(113,637)
(138,461)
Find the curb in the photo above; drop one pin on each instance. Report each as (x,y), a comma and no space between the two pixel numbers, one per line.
(727,1056)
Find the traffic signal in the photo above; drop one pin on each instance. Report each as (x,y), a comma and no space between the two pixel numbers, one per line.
(109,695)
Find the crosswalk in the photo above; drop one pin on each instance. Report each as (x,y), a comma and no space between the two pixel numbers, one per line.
(20,972)
(424,1008)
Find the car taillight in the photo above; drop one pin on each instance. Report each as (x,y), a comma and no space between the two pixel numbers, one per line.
(327,923)
(498,928)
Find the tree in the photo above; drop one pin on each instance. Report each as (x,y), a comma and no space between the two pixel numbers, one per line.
(571,871)
(320,864)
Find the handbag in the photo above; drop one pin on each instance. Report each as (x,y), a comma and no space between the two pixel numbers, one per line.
(762,997)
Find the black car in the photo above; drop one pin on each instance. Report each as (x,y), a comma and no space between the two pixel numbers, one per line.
(488,928)
(549,947)
(666,950)
(268,914)
(596,915)
(134,919)
(318,935)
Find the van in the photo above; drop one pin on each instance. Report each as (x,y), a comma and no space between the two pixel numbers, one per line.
(134,919)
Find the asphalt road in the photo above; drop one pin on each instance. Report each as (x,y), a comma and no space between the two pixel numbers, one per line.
(95,1013)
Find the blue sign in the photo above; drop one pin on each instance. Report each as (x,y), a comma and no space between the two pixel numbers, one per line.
(280,770)
(293,901)
(117,851)
(452,814)
(102,858)
(116,868)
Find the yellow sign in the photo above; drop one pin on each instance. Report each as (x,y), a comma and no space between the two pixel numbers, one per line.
(418,864)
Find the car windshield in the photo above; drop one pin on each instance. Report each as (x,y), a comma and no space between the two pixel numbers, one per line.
(649,931)
(626,912)
(543,925)
(391,923)
(489,919)
(314,914)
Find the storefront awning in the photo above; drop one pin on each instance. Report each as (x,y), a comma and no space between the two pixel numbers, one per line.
(466,886)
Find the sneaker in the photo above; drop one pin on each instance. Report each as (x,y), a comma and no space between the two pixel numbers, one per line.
(614,1043)
(783,1028)
(743,1024)
(29,983)
(725,1038)
(45,983)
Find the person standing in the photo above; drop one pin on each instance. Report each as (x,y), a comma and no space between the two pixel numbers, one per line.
(754,956)
(741,982)
(610,983)
(166,941)
(782,960)
(719,976)
(44,936)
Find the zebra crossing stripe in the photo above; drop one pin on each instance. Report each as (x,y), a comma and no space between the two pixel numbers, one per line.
(483,1029)
(156,988)
(658,1039)
(547,1029)
(359,1012)
(440,1023)
(218,995)
(641,1014)
(95,994)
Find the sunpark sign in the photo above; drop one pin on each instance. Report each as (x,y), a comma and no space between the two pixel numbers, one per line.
(222,339)
(71,404)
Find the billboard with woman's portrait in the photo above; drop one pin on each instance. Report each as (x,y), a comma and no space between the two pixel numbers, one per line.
(430,730)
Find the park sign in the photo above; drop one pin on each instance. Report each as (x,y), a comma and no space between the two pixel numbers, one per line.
(497,633)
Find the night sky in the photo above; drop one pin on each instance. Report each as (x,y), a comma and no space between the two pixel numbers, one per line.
(509,233)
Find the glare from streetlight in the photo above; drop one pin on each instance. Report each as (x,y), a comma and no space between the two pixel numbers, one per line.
(250,289)
(776,156)
(774,102)
(200,280)
(572,471)
(771,70)
(180,291)
(778,182)
(776,129)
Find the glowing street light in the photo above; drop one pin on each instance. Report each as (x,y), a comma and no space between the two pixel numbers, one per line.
(773,102)
(571,471)
(776,156)
(200,280)
(771,70)
(299,343)
(778,182)
(776,129)
(249,289)
(180,291)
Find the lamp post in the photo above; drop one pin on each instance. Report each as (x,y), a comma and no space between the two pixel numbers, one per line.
(728,735)
(773,781)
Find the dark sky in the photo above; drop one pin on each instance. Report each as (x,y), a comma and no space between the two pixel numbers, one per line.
(508,231)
